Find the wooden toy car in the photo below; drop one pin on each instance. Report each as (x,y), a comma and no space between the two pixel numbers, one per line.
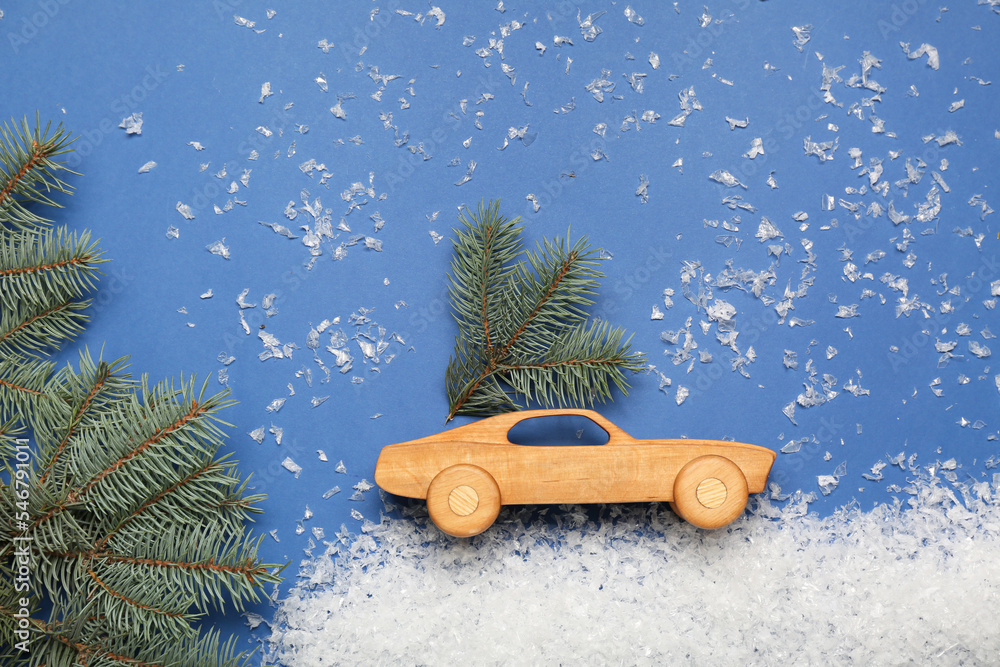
(468,472)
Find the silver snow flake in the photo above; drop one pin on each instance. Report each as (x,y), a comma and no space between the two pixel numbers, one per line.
(279,229)
(756,148)
(588,29)
(185,211)
(767,230)
(219,248)
(633,16)
(241,300)
(933,60)
(802,35)
(735,122)
(682,394)
(291,466)
(725,178)
(468,174)
(437,13)
(642,192)
(132,124)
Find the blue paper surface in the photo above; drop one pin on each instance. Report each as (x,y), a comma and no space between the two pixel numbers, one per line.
(195,74)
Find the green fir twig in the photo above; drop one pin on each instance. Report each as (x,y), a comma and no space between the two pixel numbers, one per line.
(523,323)
(30,171)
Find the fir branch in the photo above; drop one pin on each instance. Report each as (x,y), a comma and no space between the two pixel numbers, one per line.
(9,434)
(33,329)
(479,267)
(141,441)
(30,171)
(88,393)
(211,494)
(522,326)
(80,645)
(553,295)
(22,384)
(200,561)
(39,265)
(136,524)
(583,364)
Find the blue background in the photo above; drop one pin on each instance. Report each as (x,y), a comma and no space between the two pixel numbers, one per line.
(88,65)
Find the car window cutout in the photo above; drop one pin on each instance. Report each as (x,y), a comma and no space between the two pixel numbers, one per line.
(557,430)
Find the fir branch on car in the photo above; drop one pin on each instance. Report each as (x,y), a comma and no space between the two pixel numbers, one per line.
(523,323)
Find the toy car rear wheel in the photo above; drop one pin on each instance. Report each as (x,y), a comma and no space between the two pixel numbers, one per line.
(710,492)
(463,500)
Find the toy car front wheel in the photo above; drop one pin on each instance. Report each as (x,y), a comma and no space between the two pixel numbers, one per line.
(463,500)
(710,492)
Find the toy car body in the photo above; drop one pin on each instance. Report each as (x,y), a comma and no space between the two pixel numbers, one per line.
(467,473)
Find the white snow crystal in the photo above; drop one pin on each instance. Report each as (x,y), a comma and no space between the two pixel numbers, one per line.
(568,588)
(291,466)
(185,211)
(219,248)
(933,60)
(725,178)
(132,124)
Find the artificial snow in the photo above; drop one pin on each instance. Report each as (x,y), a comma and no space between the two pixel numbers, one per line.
(912,582)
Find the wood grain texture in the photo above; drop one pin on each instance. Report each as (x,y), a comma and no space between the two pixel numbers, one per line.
(463,500)
(625,469)
(710,492)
